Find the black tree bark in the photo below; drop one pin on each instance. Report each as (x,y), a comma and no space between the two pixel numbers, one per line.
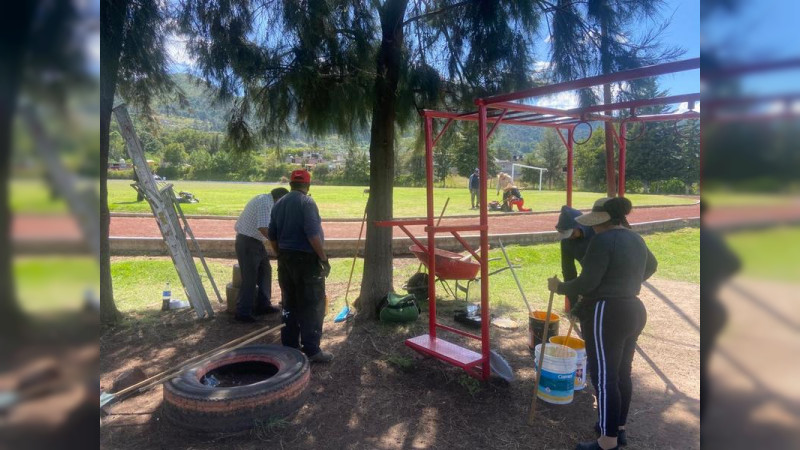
(14,34)
(377,280)
(605,63)
(112,19)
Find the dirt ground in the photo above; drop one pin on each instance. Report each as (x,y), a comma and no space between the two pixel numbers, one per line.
(379,394)
(498,223)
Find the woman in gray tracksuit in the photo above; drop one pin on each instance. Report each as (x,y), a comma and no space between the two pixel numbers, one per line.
(616,263)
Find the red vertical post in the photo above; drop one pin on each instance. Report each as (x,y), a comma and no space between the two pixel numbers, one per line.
(622,156)
(431,232)
(483,169)
(570,144)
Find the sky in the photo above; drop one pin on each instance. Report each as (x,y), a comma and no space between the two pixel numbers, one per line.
(683,31)
(763,30)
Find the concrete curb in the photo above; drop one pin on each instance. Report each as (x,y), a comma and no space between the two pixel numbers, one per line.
(358,219)
(224,248)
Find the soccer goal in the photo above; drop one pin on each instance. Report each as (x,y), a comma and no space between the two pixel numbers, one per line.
(540,169)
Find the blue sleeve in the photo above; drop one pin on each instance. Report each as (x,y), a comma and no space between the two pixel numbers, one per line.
(312,223)
(272,232)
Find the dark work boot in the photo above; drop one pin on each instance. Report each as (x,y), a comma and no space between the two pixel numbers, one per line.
(622,438)
(269,309)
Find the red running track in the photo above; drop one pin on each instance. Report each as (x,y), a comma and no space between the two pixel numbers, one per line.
(498,224)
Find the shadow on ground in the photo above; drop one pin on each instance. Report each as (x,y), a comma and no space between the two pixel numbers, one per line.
(377,393)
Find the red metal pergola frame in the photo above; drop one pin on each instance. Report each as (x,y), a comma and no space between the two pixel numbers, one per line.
(504,109)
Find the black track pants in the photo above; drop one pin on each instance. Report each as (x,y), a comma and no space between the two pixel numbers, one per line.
(610,334)
(303,291)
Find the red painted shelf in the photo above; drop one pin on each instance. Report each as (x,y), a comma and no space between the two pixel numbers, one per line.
(447,351)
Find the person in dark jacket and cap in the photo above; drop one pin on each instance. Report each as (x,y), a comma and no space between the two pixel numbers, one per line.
(574,242)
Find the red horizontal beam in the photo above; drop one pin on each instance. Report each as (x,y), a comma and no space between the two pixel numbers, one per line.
(395,223)
(664,117)
(625,75)
(638,103)
(472,118)
(750,100)
(746,69)
(457,331)
(714,118)
(456,228)
(546,110)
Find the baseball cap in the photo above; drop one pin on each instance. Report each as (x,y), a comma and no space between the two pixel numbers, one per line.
(597,216)
(300,176)
(566,221)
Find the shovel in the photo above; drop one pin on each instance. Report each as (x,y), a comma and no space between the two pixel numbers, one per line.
(500,366)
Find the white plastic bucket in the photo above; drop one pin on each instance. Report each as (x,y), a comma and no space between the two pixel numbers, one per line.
(579,346)
(557,382)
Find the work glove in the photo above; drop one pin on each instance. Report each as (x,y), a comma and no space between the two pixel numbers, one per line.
(326,268)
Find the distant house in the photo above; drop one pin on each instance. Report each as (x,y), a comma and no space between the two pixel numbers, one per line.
(307,159)
(503,165)
(119,165)
(337,163)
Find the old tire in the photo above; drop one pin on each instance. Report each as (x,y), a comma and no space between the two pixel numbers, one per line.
(191,404)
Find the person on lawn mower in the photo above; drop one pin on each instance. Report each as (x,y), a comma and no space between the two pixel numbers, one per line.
(513,197)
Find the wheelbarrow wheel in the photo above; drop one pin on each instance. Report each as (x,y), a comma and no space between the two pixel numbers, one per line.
(418,286)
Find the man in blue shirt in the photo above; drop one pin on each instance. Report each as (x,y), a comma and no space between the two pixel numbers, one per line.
(295,234)
(474,187)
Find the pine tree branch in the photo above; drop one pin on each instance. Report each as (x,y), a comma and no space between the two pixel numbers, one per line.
(436,12)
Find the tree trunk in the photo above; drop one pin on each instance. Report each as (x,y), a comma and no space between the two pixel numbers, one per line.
(112,17)
(605,63)
(377,279)
(14,31)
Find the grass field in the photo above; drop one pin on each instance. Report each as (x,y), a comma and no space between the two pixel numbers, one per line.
(770,254)
(138,281)
(53,283)
(228,199)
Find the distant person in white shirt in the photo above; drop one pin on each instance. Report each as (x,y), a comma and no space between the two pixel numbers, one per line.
(255,293)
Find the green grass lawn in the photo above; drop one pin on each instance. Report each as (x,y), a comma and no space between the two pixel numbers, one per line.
(228,199)
(719,198)
(50,283)
(138,281)
(32,196)
(770,254)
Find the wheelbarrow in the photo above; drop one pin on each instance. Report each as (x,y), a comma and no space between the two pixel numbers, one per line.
(456,267)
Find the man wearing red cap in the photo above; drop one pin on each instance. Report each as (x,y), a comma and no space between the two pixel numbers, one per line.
(295,234)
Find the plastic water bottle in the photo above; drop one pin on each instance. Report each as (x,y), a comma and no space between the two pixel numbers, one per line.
(166,296)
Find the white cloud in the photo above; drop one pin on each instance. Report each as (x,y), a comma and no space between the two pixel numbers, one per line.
(176,49)
(684,107)
(541,66)
(561,100)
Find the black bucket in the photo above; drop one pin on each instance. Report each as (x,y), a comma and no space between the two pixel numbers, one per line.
(536,321)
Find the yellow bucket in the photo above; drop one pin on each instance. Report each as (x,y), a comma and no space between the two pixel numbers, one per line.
(536,321)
